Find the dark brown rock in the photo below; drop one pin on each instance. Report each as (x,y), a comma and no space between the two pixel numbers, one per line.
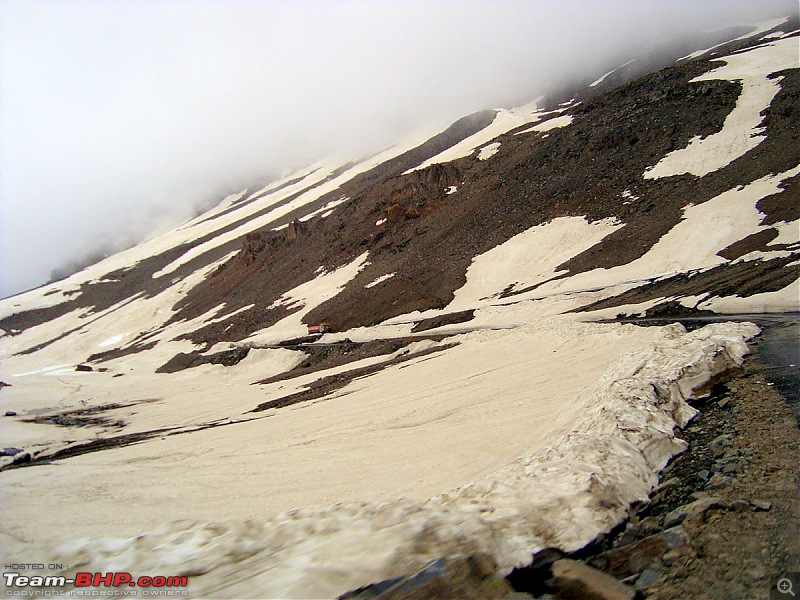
(472,577)
(692,510)
(576,581)
(634,558)
(22,458)
(412,212)
(294,230)
(394,213)
(252,245)
(533,578)
(188,360)
(446,319)
(648,578)
(718,480)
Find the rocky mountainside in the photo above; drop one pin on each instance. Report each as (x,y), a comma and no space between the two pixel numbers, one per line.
(458,276)
(424,213)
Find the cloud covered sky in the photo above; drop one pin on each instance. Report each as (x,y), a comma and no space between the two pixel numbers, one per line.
(118,117)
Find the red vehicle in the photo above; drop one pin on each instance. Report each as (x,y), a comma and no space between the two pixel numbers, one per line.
(321,328)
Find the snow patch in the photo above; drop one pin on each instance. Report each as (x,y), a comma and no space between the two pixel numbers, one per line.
(629,196)
(229,315)
(528,258)
(326,210)
(306,297)
(380,279)
(488,151)
(554,123)
(788,233)
(705,230)
(741,131)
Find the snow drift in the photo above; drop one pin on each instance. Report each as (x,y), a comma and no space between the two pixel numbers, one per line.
(562,496)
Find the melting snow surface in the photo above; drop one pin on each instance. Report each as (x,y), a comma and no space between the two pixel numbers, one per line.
(561,491)
(412,462)
(527,259)
(741,131)
(694,242)
(113,340)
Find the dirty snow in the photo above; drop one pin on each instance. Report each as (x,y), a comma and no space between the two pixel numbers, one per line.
(376,479)
(553,464)
(305,298)
(694,242)
(741,131)
(528,258)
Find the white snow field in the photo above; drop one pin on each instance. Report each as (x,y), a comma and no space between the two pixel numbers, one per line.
(521,429)
(479,448)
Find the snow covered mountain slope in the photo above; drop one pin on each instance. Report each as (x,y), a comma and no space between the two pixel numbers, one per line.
(463,400)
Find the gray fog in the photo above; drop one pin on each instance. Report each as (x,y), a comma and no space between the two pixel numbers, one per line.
(120,118)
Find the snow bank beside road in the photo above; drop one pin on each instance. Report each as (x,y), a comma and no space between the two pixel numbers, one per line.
(562,496)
